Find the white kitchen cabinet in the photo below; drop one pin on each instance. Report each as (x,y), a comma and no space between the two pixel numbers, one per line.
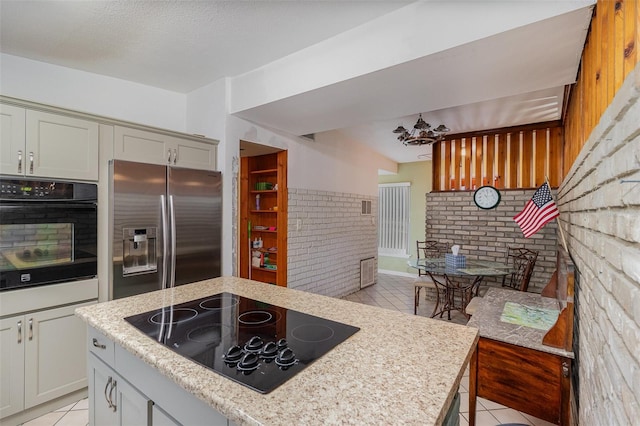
(44,355)
(145,397)
(41,144)
(113,401)
(157,148)
(11,365)
(12,139)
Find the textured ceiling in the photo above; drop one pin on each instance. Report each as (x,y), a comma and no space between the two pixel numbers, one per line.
(511,77)
(175,45)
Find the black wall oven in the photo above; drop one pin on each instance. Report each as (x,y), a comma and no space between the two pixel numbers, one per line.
(48,232)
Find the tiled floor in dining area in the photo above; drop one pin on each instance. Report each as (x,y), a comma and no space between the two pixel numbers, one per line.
(396,292)
(391,292)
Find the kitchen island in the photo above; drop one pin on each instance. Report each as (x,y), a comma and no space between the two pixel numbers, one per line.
(397,369)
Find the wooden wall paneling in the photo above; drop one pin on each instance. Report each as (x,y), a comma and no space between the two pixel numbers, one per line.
(555,156)
(611,51)
(618,29)
(500,159)
(446,170)
(631,15)
(527,158)
(514,159)
(600,82)
(541,158)
(436,182)
(479,158)
(456,163)
(465,183)
(490,160)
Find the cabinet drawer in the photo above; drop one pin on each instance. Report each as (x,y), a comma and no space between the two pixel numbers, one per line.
(101,346)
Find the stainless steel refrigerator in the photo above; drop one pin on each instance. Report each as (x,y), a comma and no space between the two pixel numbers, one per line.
(165,226)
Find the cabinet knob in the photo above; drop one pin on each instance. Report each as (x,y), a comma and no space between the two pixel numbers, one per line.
(19,161)
(98,345)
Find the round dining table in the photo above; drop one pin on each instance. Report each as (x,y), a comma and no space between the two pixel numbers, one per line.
(456,286)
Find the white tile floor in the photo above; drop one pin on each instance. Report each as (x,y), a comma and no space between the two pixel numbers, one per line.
(76,414)
(391,292)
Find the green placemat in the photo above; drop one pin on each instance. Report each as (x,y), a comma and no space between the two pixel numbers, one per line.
(539,318)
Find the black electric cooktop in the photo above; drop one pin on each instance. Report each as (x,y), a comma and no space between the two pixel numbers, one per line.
(251,342)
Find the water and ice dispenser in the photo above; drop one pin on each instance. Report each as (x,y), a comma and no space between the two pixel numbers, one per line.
(139,250)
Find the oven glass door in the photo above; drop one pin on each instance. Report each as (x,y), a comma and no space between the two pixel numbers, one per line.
(47,242)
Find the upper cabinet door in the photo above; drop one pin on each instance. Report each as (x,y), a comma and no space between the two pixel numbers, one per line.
(195,154)
(156,148)
(141,146)
(12,137)
(60,147)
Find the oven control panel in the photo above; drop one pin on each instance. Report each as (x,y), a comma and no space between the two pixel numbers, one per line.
(15,189)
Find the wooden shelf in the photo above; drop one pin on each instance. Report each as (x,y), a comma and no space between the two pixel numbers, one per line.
(264,172)
(264,269)
(264,250)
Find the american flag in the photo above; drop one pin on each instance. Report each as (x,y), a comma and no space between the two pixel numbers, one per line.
(539,210)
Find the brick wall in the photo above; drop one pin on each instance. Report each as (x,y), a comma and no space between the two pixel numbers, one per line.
(602,216)
(327,238)
(486,234)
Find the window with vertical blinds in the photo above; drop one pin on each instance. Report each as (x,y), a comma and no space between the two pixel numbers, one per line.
(393,218)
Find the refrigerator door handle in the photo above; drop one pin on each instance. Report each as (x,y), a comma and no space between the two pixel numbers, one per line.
(172,221)
(165,242)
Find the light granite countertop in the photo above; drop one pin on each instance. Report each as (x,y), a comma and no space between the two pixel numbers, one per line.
(487,319)
(398,369)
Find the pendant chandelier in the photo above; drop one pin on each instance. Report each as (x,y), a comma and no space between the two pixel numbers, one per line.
(422,133)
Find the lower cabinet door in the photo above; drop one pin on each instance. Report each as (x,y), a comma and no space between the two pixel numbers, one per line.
(101,410)
(134,407)
(160,418)
(112,400)
(11,365)
(55,354)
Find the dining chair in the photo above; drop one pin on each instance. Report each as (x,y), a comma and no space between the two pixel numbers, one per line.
(425,250)
(522,261)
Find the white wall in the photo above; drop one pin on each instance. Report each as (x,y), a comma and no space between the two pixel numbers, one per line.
(91,93)
(206,115)
(329,163)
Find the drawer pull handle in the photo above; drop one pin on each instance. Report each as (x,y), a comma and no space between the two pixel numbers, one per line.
(98,345)
(31,162)
(30,328)
(19,331)
(19,161)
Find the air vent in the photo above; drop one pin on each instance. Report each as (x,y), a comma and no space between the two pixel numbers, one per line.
(367,269)
(366,207)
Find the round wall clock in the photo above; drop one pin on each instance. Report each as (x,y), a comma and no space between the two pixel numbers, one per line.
(486,197)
